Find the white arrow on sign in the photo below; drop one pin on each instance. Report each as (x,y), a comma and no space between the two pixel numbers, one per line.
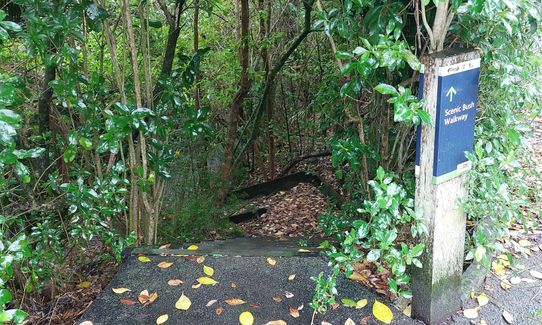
(451,92)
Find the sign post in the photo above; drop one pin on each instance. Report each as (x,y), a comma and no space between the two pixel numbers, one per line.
(450,88)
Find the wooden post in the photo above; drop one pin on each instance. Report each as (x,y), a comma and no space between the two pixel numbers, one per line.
(449,102)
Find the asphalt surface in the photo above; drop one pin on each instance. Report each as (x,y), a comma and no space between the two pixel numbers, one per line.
(257,282)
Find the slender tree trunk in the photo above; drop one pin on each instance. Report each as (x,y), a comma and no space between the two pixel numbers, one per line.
(237,104)
(196,47)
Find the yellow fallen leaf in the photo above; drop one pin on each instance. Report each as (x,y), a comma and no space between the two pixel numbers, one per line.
(206,280)
(471,313)
(87,322)
(192,248)
(271,261)
(152,298)
(408,311)
(524,243)
(235,301)
(246,318)
(143,259)
(162,319)
(506,285)
(164,265)
(208,270)
(183,303)
(482,299)
(195,286)
(382,312)
(349,321)
(361,303)
(120,290)
(84,284)
(200,259)
(291,277)
(356,276)
(302,250)
(498,268)
(276,322)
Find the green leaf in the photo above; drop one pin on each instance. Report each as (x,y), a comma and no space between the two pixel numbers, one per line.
(9,116)
(417,250)
(9,25)
(69,155)
(5,296)
(343,55)
(386,89)
(373,255)
(348,302)
(85,143)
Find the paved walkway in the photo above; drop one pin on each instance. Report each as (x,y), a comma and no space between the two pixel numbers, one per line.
(243,262)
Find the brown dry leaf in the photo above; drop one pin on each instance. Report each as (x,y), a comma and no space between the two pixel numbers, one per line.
(235,301)
(175,282)
(166,246)
(365,320)
(143,296)
(120,290)
(254,306)
(200,259)
(277,299)
(271,261)
(127,302)
(211,302)
(356,276)
(276,322)
(234,285)
(152,298)
(219,311)
(291,277)
(164,265)
(294,312)
(325,323)
(288,294)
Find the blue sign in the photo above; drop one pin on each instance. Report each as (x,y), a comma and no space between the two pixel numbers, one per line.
(457,97)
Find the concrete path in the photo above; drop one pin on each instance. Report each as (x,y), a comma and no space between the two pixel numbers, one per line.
(242,262)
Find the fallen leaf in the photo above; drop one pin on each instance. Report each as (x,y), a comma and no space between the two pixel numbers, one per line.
(382,312)
(482,299)
(506,285)
(471,313)
(208,270)
(536,274)
(302,250)
(166,246)
(183,303)
(153,296)
(84,284)
(164,265)
(361,303)
(120,290)
(143,259)
(276,322)
(195,286)
(507,317)
(294,312)
(254,306)
(206,280)
(211,302)
(175,282)
(234,285)
(271,261)
(127,302)
(527,280)
(408,311)
(524,243)
(192,248)
(87,322)
(162,319)
(277,299)
(356,276)
(235,301)
(349,321)
(365,320)
(325,323)
(219,311)
(348,302)
(291,277)
(288,294)
(515,280)
(246,318)
(200,259)
(143,296)
(498,268)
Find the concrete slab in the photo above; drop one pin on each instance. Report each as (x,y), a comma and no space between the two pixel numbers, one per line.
(257,282)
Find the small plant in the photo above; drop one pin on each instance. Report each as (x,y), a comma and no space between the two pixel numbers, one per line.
(380,231)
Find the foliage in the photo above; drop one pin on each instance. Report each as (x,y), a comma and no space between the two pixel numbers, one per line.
(499,186)
(382,231)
